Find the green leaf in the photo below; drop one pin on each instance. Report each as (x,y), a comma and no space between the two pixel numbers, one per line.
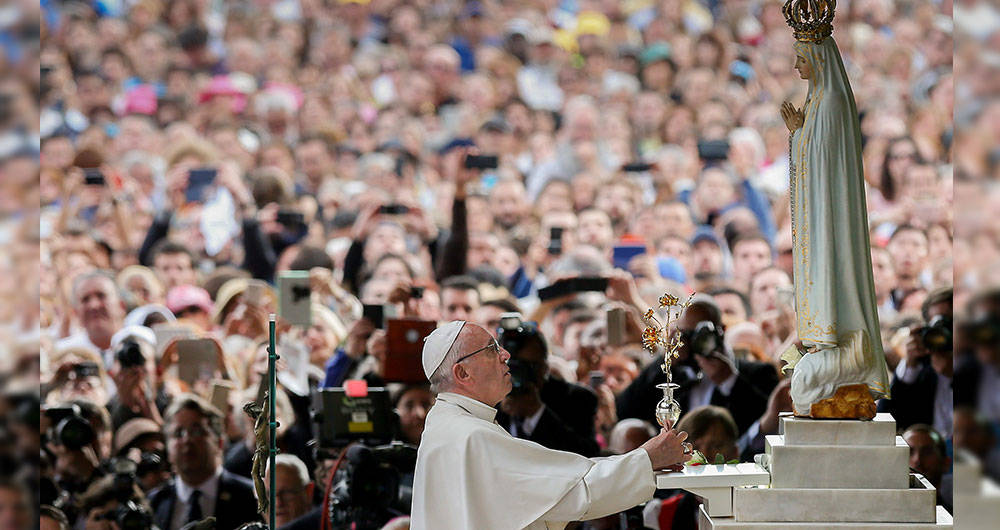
(719,459)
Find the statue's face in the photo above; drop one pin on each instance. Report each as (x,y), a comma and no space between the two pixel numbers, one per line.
(803,67)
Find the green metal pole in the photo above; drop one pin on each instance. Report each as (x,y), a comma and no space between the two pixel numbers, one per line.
(272,422)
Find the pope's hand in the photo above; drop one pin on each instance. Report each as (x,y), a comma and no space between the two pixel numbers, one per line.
(668,450)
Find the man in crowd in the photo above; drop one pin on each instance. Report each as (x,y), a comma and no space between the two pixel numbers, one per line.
(201,488)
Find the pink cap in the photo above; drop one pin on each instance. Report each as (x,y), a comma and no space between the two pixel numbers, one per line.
(222,85)
(185,296)
(141,100)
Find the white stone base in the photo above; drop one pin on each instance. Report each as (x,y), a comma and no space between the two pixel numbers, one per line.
(705,522)
(913,505)
(831,466)
(807,431)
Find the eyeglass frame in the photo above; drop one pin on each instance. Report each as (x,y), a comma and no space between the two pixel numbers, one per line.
(493,344)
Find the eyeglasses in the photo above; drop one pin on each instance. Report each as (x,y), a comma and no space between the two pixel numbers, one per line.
(492,345)
(195,432)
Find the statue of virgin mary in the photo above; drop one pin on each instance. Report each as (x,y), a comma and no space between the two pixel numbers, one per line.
(839,370)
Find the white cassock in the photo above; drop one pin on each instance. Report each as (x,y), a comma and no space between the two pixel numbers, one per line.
(471,473)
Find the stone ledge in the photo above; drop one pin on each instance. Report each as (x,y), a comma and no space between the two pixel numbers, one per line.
(831,466)
(880,431)
(913,505)
(705,522)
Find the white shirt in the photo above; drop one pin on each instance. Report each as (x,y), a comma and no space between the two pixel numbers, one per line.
(943,397)
(528,424)
(701,394)
(209,491)
(471,473)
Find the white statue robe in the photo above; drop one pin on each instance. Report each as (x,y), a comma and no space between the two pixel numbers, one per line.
(834,291)
(471,473)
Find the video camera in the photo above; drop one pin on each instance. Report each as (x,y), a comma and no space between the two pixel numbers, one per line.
(352,413)
(513,335)
(937,336)
(371,486)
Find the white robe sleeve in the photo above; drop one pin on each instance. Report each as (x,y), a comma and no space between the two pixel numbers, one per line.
(612,485)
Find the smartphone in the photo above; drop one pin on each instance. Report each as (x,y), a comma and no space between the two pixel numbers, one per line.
(93,176)
(637,167)
(616,326)
(622,254)
(589,284)
(291,218)
(416,292)
(255,293)
(295,298)
(555,240)
(481,161)
(219,396)
(713,150)
(393,209)
(199,180)
(596,378)
(197,360)
(375,313)
(404,346)
(166,333)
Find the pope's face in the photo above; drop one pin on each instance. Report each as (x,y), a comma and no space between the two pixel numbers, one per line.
(489,370)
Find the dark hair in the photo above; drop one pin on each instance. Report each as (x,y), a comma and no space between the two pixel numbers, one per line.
(309,257)
(55,514)
(886,185)
(752,236)
(197,404)
(505,304)
(220,276)
(937,296)
(460,283)
(935,436)
(701,419)
(166,246)
(744,300)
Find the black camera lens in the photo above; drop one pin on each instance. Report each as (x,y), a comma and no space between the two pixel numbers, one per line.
(74,432)
(130,354)
(937,335)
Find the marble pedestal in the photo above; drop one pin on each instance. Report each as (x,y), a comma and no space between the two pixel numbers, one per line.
(831,474)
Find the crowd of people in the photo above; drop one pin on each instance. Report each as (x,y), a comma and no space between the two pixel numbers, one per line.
(449,160)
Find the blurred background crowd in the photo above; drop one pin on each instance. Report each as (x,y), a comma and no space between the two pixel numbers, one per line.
(187,153)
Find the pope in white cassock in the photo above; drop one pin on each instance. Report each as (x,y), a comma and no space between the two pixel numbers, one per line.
(471,473)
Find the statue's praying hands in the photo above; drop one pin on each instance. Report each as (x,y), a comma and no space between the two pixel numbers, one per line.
(793,117)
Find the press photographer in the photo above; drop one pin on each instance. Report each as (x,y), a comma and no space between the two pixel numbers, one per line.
(922,386)
(529,411)
(117,499)
(707,372)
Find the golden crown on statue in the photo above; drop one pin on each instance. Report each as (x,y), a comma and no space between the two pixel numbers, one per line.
(810,20)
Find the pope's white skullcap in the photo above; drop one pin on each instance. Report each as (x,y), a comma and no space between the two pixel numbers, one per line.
(437,345)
